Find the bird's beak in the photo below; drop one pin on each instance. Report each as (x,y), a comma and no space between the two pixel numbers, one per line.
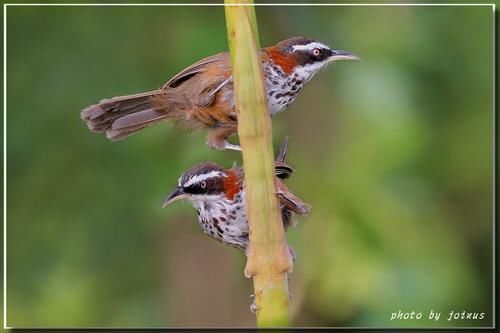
(177,194)
(342,55)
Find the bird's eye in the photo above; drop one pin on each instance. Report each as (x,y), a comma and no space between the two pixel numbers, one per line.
(316,52)
(203,184)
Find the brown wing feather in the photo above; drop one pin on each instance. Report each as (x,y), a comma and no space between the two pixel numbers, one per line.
(202,82)
(290,201)
(221,59)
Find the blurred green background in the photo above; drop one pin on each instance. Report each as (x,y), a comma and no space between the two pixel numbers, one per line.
(394,153)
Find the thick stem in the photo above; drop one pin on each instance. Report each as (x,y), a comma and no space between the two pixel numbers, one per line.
(268,257)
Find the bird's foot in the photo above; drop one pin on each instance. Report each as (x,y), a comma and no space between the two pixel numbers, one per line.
(231,146)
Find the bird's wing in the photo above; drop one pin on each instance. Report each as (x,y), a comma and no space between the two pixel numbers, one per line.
(221,59)
(289,201)
(202,89)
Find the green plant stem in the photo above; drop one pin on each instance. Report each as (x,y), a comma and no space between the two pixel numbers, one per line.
(268,258)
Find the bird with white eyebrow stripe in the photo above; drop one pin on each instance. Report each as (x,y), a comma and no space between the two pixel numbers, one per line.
(218,195)
(201,96)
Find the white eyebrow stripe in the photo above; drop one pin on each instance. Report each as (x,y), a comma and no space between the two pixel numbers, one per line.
(310,46)
(200,178)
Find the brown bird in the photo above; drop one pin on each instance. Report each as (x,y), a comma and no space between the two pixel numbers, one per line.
(218,195)
(201,96)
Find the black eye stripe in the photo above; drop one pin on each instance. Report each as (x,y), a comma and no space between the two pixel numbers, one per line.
(307,57)
(212,185)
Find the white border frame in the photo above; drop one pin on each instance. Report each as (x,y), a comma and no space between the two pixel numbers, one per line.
(6,5)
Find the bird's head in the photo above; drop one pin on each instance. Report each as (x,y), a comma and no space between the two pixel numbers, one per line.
(304,57)
(205,182)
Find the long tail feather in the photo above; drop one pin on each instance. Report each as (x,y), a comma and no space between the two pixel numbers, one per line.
(281,169)
(141,118)
(122,116)
(283,151)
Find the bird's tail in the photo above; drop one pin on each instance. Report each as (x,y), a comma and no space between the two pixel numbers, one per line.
(122,116)
(287,199)
(281,169)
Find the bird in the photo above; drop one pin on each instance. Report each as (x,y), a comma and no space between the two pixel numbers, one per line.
(218,195)
(201,96)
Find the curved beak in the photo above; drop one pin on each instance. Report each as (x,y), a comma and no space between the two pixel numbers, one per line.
(177,194)
(342,55)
